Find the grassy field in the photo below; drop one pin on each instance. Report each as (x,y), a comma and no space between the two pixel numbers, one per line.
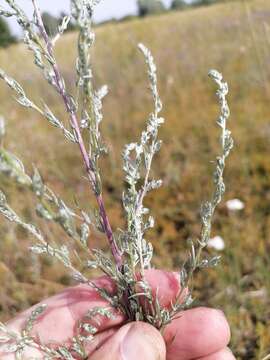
(235,39)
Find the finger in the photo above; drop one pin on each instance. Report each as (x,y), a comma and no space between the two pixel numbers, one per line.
(224,354)
(59,321)
(165,285)
(133,340)
(197,333)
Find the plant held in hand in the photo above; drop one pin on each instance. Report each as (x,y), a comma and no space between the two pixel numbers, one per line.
(131,253)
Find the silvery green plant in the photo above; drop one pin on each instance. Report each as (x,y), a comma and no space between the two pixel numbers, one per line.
(131,253)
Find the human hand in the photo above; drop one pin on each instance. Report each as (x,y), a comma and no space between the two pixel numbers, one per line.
(199,333)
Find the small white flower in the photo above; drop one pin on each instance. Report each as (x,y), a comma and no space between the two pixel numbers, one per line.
(216,243)
(235,205)
(2,127)
(84,123)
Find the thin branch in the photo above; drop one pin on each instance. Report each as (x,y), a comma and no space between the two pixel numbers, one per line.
(75,125)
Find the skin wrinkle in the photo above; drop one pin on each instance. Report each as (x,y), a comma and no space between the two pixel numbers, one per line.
(170,341)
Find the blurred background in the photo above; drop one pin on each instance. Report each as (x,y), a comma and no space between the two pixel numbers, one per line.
(187,39)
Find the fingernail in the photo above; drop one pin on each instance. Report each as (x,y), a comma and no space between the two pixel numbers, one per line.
(129,347)
(139,342)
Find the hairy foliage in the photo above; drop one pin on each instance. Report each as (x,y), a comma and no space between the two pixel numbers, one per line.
(131,253)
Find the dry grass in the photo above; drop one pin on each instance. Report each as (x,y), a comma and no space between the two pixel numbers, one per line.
(185,46)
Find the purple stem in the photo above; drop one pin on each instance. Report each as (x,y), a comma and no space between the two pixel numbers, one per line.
(75,125)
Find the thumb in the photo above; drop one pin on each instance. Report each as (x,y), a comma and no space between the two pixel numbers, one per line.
(133,340)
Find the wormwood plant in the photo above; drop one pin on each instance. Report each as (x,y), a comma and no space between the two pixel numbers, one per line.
(131,253)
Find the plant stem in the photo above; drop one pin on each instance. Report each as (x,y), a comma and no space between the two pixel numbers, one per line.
(75,125)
